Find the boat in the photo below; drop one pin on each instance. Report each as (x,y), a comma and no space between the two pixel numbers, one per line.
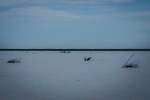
(64,51)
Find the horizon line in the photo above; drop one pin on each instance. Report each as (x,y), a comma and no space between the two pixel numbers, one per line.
(74,49)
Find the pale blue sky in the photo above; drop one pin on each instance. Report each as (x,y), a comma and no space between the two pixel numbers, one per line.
(74,24)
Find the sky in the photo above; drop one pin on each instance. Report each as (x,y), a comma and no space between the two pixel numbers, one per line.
(74,24)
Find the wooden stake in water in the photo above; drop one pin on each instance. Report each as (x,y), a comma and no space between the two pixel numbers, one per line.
(128,60)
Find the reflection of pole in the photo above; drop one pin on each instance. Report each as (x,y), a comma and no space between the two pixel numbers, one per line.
(128,60)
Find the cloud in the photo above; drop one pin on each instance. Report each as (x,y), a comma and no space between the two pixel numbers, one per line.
(92,1)
(130,16)
(4,3)
(122,1)
(89,1)
(38,12)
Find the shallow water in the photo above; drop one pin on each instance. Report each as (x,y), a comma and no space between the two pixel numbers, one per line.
(66,76)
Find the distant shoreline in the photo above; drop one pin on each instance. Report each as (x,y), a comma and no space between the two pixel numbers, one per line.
(74,49)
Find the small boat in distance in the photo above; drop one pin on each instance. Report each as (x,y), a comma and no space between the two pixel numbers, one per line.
(65,51)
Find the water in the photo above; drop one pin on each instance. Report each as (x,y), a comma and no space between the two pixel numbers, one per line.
(66,76)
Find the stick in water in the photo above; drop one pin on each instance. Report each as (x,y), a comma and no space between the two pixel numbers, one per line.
(128,60)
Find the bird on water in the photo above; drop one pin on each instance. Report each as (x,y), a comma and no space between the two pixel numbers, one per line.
(87,59)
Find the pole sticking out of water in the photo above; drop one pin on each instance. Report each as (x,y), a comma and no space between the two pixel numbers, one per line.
(128,60)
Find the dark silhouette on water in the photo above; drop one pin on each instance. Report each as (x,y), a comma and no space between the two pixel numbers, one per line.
(134,64)
(128,60)
(87,59)
(17,60)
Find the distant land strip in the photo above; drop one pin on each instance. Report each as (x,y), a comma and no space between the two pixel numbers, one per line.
(74,49)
